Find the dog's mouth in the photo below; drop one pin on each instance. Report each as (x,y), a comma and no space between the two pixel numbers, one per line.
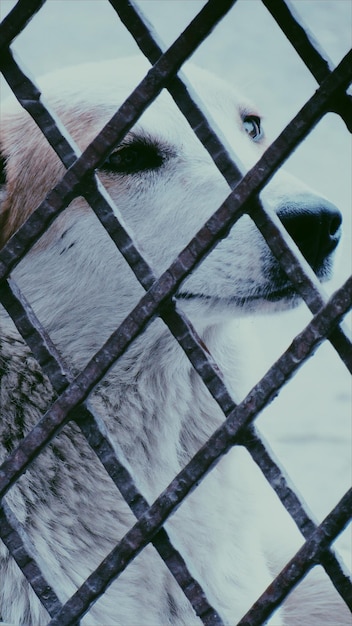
(286,293)
(278,290)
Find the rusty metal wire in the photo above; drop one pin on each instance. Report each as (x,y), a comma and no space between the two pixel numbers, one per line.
(73,392)
(218,444)
(93,429)
(13,24)
(310,52)
(26,557)
(308,556)
(298,510)
(76,182)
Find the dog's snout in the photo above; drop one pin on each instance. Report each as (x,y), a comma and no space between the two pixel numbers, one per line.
(315,227)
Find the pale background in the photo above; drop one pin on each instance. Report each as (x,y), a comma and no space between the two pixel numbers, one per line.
(309,424)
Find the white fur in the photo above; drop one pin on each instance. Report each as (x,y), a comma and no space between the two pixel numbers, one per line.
(155,407)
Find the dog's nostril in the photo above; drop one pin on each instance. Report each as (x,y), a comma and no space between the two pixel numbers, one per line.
(335,224)
(329,231)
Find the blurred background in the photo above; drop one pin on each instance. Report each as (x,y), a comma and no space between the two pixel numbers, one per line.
(309,424)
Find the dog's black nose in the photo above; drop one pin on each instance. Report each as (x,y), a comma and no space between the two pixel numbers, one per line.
(314,225)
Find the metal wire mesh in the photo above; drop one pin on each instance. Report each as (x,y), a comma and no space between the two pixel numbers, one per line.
(72,390)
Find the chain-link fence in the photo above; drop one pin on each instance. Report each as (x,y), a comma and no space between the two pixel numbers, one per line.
(72,390)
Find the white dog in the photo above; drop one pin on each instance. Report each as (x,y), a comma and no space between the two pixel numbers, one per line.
(156,408)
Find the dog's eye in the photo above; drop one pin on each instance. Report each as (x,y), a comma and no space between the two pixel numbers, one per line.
(132,158)
(251,125)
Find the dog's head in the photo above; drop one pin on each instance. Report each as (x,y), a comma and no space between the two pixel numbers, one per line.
(165,186)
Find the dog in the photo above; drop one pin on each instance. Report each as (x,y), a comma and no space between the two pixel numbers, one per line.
(155,407)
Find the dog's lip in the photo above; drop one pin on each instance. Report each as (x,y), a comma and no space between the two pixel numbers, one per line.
(285,292)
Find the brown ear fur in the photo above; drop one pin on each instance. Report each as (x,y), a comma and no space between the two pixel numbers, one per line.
(29,168)
(32,168)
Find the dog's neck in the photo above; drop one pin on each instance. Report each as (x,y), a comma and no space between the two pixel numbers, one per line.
(152,381)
